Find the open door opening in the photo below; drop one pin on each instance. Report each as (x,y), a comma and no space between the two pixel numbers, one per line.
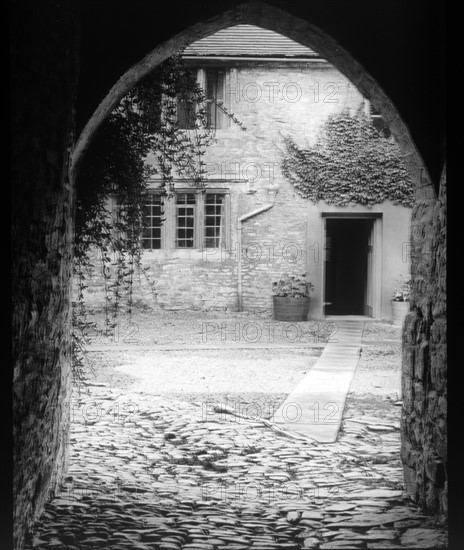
(349,266)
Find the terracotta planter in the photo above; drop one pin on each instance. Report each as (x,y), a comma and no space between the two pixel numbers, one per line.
(399,311)
(291,309)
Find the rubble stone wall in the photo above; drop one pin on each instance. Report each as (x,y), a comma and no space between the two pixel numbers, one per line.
(44,82)
(424,378)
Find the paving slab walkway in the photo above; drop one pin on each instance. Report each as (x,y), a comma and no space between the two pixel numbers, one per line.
(314,408)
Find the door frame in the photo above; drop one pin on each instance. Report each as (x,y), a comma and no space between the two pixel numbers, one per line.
(376,217)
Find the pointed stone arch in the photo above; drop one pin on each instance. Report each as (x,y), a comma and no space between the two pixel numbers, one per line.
(300,30)
(428,227)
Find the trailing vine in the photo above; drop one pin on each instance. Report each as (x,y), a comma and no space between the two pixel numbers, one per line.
(351,162)
(141,138)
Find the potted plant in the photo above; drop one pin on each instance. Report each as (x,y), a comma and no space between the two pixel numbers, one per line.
(400,300)
(291,296)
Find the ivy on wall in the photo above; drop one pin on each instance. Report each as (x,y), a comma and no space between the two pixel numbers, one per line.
(351,162)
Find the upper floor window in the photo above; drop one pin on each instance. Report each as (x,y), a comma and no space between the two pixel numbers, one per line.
(212,80)
(186,112)
(215,93)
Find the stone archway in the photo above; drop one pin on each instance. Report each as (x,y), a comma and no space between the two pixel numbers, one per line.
(272,18)
(425,330)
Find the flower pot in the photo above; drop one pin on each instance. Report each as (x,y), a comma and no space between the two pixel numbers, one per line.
(291,309)
(399,311)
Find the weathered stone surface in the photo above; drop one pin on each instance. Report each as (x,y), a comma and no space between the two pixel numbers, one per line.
(382,544)
(424,387)
(311,542)
(310,514)
(44,52)
(342,507)
(340,544)
(378,493)
(422,538)
(367,520)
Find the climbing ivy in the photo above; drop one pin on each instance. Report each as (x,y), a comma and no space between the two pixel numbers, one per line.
(351,162)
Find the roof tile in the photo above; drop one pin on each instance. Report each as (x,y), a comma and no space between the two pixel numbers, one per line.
(248,41)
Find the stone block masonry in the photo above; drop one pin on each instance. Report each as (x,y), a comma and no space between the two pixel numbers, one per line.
(44,83)
(273,243)
(271,100)
(424,431)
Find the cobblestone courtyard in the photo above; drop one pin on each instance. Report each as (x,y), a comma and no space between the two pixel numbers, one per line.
(158,462)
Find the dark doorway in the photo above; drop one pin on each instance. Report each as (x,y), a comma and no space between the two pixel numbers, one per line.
(347,244)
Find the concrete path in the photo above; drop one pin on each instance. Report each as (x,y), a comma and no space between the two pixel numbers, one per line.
(315,407)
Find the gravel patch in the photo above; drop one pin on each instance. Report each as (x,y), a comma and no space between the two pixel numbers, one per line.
(192,328)
(378,331)
(258,379)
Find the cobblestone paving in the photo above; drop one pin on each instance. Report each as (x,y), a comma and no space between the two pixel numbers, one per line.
(167,474)
(165,471)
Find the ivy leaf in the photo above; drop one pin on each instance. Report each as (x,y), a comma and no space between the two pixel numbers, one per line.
(350,162)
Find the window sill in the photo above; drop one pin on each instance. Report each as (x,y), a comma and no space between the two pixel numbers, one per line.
(205,255)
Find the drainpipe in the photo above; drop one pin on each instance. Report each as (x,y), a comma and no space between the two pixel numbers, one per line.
(240,221)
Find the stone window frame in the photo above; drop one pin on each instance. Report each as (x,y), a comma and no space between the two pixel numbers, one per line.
(169,227)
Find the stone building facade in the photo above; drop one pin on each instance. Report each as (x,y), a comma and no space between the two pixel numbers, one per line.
(261,227)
